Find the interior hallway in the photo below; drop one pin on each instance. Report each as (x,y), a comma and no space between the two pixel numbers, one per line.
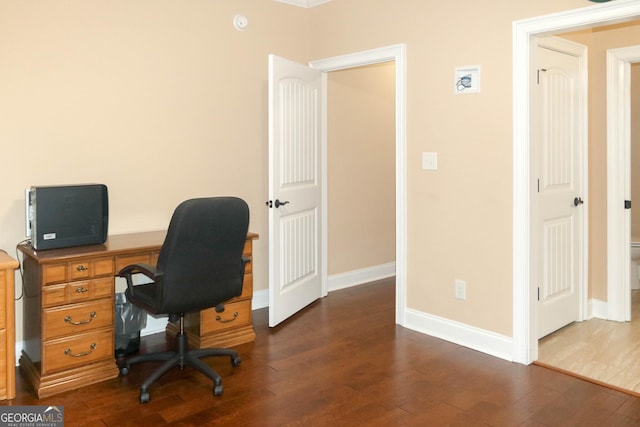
(604,351)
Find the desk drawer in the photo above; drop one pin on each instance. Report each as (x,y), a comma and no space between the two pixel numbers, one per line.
(150,258)
(84,290)
(77,270)
(76,318)
(235,314)
(85,269)
(78,350)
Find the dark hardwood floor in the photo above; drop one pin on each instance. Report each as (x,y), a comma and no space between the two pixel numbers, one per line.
(342,361)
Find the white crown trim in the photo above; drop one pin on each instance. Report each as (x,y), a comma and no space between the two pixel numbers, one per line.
(304,3)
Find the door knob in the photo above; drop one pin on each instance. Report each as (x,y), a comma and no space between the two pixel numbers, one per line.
(278,203)
(577,201)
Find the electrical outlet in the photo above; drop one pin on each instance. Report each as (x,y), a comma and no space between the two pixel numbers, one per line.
(461,289)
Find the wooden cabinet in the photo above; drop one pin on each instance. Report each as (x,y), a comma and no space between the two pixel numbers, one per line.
(7,327)
(69,311)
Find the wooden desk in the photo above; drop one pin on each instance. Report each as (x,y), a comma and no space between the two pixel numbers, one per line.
(7,327)
(69,311)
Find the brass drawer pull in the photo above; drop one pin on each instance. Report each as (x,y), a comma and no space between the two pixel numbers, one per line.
(81,322)
(86,353)
(81,268)
(81,290)
(235,316)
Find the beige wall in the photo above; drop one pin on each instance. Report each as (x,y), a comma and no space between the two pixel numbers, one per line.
(163,100)
(361,167)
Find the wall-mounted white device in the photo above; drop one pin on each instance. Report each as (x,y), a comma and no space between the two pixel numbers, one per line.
(467,79)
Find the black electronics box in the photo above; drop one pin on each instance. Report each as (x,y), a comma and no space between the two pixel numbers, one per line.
(69,215)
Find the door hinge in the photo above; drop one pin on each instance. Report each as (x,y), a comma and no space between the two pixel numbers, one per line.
(627,204)
(538,76)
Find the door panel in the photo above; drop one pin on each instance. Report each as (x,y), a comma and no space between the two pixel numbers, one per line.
(295,130)
(559,184)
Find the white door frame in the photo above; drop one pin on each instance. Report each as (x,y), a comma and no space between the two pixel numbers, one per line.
(525,341)
(619,180)
(397,54)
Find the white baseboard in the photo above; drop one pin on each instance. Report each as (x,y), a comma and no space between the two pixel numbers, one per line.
(260,299)
(459,333)
(360,276)
(597,309)
(477,339)
(338,281)
(154,325)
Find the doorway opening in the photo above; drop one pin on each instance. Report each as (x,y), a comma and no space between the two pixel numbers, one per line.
(361,174)
(619,225)
(397,55)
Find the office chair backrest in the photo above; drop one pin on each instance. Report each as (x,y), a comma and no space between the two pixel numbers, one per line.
(201,257)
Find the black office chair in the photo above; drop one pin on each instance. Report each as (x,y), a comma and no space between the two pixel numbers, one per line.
(200,265)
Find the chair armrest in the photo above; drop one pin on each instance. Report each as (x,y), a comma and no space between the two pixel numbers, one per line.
(147,270)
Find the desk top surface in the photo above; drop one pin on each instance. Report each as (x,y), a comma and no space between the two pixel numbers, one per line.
(115,245)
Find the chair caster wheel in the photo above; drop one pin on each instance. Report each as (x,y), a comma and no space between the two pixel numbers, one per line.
(236,361)
(145,397)
(217,389)
(124,370)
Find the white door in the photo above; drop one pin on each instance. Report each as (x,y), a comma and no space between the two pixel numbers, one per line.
(559,190)
(296,103)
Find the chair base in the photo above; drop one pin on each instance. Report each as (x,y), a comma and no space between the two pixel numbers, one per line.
(180,357)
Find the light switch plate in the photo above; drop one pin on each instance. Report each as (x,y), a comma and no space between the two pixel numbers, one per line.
(429,161)
(461,289)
